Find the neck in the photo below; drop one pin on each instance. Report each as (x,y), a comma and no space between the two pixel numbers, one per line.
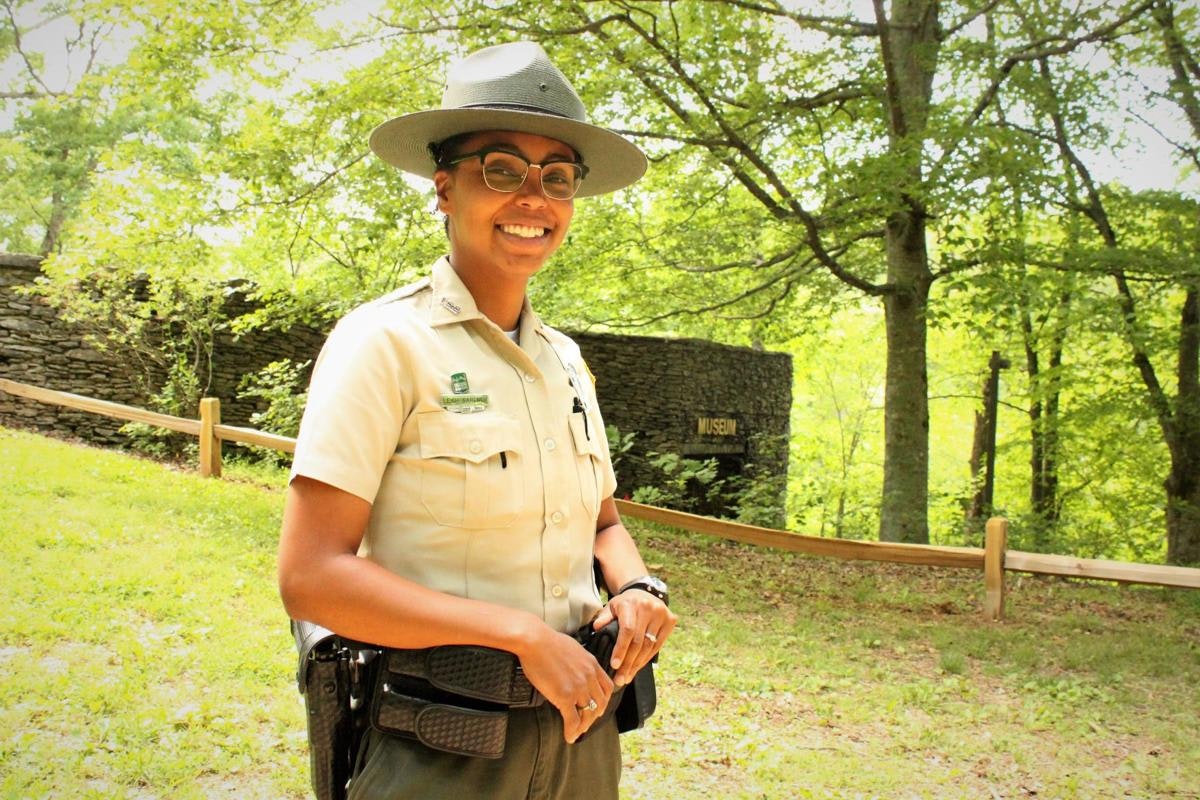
(497,297)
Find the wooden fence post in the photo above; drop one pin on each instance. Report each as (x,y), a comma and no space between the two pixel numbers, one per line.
(210,445)
(995,542)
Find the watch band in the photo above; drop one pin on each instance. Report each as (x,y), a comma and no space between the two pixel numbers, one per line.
(650,585)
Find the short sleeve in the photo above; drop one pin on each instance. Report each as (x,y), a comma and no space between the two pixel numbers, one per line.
(356,406)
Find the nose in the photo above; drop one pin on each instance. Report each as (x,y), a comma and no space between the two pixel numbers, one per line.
(530,192)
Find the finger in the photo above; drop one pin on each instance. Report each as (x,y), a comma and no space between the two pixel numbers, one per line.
(587,714)
(603,618)
(639,653)
(625,639)
(602,689)
(574,723)
(651,642)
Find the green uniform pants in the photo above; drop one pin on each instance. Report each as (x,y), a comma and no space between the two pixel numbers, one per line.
(537,765)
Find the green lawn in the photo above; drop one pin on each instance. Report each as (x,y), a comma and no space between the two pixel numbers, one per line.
(145,654)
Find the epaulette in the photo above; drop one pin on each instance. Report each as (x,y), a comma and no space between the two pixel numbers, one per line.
(404,291)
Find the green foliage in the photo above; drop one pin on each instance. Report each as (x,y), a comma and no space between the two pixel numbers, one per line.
(280,386)
(686,484)
(161,329)
(179,396)
(619,444)
(756,491)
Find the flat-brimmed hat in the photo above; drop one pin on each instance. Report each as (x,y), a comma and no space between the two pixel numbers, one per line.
(510,87)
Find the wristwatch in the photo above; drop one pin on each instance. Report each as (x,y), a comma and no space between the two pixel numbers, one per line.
(649,584)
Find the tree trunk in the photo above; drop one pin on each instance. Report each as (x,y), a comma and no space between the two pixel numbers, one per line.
(983,448)
(904,515)
(58,215)
(1043,427)
(909,45)
(1183,517)
(1183,482)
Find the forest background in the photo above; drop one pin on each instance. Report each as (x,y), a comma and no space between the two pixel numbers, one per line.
(889,191)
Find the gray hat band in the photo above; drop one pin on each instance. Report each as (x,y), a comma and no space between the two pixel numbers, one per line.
(518,107)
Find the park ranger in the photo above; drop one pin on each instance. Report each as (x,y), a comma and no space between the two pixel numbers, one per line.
(452,487)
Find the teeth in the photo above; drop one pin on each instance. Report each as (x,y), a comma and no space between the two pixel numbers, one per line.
(524,231)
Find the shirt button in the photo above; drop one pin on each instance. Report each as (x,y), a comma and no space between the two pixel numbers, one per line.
(557,590)
(556,517)
(550,444)
(529,378)
(476,446)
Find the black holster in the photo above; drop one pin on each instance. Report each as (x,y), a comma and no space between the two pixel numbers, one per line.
(632,704)
(335,677)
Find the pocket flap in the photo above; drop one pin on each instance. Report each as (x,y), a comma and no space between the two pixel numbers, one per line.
(471,437)
(583,433)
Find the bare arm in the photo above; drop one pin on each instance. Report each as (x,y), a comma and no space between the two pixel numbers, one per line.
(322,579)
(646,622)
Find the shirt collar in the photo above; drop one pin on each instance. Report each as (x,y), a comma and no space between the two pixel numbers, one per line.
(452,302)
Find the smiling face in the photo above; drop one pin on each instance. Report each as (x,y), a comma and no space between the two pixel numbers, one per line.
(501,235)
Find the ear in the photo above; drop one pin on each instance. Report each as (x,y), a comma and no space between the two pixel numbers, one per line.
(443,182)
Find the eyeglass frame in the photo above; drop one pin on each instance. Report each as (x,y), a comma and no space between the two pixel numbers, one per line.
(482,153)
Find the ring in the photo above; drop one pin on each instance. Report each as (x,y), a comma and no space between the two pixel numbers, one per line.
(591,706)
(650,637)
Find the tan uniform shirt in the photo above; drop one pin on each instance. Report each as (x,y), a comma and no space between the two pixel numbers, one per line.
(485,462)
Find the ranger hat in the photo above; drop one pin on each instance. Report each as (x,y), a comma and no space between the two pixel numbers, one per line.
(510,87)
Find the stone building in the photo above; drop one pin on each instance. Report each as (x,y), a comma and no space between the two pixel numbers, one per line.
(690,397)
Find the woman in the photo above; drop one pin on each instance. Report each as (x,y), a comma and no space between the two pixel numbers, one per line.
(452,484)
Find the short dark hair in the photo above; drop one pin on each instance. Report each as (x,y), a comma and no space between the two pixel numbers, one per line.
(445,150)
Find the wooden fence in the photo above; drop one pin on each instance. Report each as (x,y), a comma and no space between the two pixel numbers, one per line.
(993,559)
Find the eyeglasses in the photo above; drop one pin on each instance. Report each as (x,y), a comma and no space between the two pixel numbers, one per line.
(506,172)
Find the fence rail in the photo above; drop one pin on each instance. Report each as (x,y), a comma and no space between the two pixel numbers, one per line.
(993,559)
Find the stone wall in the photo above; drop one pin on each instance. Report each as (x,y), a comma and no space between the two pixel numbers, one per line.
(692,397)
(685,396)
(37,348)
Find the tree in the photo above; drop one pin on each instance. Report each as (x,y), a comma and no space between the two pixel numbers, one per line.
(1148,239)
(848,139)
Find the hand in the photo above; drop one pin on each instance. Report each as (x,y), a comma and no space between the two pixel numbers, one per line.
(646,623)
(568,677)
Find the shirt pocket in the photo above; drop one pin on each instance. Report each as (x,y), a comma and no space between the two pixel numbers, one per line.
(589,461)
(470,468)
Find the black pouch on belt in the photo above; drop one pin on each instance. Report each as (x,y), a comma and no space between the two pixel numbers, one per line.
(451,721)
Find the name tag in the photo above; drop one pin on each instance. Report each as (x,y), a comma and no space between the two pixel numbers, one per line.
(465,403)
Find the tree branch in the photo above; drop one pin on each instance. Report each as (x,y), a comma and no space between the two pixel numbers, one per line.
(971,16)
(17,46)
(834,26)
(1179,58)
(808,220)
(1042,48)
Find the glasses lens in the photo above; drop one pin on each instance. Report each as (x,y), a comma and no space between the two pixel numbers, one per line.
(560,180)
(504,172)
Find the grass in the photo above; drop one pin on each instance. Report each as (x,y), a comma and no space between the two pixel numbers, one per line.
(145,655)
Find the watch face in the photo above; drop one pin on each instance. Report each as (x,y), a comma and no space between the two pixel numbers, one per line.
(655,583)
